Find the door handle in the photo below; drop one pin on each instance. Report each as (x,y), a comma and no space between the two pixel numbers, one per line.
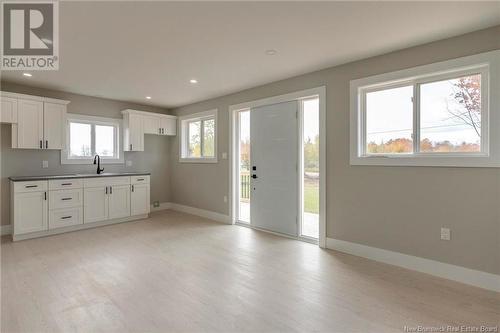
(106,190)
(41,144)
(45,196)
(46,144)
(254,176)
(132,188)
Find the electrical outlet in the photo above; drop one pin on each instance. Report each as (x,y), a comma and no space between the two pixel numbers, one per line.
(156,204)
(224,156)
(225,198)
(129,163)
(45,164)
(445,234)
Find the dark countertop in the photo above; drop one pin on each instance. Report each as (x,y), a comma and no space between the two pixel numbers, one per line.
(77,175)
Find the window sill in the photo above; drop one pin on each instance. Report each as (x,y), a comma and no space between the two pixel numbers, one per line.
(198,160)
(85,161)
(477,161)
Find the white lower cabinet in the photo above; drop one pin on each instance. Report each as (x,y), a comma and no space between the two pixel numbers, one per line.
(95,204)
(139,199)
(65,217)
(119,201)
(41,207)
(30,212)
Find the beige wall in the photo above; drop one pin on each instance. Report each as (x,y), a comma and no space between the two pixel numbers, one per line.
(18,162)
(396,208)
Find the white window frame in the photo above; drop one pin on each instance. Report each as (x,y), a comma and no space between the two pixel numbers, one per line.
(487,64)
(92,120)
(184,136)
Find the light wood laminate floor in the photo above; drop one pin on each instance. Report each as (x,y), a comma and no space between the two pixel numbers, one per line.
(180,273)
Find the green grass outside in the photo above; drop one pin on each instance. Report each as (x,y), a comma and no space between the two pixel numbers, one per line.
(311,198)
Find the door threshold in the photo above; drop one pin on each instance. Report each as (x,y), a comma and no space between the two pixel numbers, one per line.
(299,238)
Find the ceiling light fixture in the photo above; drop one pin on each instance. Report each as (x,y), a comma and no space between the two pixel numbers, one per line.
(193,81)
(271,52)
(148,97)
(27,74)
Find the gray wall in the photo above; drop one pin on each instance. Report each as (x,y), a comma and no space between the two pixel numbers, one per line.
(396,208)
(18,162)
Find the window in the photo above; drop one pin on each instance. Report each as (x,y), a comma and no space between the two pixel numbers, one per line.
(88,136)
(199,137)
(435,115)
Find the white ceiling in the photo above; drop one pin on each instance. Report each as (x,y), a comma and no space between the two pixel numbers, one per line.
(129,50)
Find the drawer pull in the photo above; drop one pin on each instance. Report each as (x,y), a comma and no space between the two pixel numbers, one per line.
(31,186)
(66,217)
(67,199)
(66,184)
(140,179)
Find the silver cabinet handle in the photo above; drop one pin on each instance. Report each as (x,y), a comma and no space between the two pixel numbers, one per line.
(66,199)
(45,196)
(66,184)
(132,188)
(30,186)
(106,190)
(140,179)
(66,217)
(46,144)
(130,146)
(41,144)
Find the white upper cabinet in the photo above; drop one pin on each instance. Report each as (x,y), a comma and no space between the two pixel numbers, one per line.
(53,125)
(168,125)
(29,125)
(151,124)
(8,111)
(137,123)
(37,122)
(133,132)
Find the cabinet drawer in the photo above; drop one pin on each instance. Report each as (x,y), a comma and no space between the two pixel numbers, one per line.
(65,198)
(106,181)
(33,186)
(139,180)
(60,184)
(66,217)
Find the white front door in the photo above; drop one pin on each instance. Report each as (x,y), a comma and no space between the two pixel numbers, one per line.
(274,167)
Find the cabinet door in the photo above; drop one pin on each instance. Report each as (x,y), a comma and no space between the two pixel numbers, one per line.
(135,133)
(29,124)
(169,126)
(95,205)
(30,212)
(53,125)
(139,199)
(8,111)
(119,201)
(151,125)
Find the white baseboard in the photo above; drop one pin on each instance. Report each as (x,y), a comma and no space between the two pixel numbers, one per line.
(201,212)
(6,229)
(452,272)
(163,206)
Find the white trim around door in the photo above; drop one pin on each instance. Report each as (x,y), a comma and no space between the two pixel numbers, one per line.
(233,156)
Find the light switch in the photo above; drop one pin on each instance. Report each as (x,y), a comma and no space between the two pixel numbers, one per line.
(45,164)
